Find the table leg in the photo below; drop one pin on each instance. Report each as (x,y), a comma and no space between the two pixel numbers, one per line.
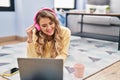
(119,40)
(81,24)
(66,20)
(119,36)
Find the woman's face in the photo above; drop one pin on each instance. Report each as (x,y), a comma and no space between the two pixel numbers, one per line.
(47,26)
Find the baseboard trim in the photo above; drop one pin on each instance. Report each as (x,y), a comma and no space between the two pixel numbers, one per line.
(11,38)
(21,38)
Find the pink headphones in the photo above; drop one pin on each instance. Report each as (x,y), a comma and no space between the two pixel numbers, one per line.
(47,9)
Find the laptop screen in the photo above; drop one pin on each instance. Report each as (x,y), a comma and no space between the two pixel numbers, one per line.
(40,69)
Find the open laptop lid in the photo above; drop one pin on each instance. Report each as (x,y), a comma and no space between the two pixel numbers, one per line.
(40,69)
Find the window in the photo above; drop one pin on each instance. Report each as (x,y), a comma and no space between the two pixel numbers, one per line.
(64,4)
(7,5)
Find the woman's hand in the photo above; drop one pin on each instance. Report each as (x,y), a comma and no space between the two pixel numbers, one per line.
(29,32)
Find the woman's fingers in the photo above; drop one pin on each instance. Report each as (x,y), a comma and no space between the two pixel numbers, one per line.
(30,28)
(29,31)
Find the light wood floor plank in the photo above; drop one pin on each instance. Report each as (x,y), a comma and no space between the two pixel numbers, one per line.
(110,73)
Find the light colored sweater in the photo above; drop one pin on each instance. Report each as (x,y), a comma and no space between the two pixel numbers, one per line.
(63,55)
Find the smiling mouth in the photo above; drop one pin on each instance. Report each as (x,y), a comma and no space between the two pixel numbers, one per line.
(50,31)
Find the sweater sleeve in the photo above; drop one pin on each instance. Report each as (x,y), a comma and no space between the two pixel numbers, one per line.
(31,52)
(66,42)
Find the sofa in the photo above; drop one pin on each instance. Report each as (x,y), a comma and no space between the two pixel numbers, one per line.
(103,25)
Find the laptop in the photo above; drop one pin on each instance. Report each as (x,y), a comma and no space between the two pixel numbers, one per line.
(40,69)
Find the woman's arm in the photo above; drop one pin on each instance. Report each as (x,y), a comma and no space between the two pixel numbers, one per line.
(31,52)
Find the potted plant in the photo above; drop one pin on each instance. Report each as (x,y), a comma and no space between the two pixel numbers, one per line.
(108,9)
(92,10)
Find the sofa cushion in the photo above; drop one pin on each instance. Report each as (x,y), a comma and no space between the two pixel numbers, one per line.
(101,20)
(115,21)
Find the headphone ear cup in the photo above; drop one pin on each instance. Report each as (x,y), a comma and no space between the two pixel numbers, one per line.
(37,27)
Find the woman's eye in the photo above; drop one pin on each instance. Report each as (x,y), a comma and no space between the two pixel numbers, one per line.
(51,23)
(44,25)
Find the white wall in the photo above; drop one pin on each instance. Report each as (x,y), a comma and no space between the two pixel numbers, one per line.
(25,12)
(80,4)
(7,24)
(15,23)
(115,6)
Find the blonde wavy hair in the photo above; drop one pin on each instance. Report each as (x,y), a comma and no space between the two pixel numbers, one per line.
(42,38)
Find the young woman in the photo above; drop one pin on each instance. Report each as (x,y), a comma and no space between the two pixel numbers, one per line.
(46,38)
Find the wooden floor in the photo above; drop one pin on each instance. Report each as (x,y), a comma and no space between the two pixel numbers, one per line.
(110,73)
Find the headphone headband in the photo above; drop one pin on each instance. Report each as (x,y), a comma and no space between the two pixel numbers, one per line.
(46,9)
